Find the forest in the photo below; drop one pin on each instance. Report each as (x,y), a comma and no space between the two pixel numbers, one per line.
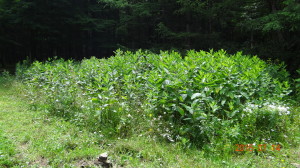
(149,83)
(38,29)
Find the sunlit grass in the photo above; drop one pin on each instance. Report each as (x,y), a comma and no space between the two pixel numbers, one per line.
(41,140)
(7,152)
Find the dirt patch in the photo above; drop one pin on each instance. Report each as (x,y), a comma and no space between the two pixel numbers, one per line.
(40,161)
(85,163)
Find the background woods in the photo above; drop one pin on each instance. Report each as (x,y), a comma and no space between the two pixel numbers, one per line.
(39,29)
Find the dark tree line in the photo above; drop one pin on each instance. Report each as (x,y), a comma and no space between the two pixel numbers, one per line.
(39,29)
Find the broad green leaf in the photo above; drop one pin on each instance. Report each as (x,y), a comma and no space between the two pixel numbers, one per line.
(195,95)
(182,97)
(188,108)
(180,110)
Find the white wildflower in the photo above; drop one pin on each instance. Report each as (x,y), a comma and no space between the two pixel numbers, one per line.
(282,110)
(250,107)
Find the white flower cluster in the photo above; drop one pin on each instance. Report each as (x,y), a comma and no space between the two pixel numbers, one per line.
(250,107)
(283,110)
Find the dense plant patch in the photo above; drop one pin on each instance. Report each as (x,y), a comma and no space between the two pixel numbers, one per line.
(207,99)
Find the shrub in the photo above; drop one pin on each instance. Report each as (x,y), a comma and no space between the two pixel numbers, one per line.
(5,78)
(298,86)
(203,98)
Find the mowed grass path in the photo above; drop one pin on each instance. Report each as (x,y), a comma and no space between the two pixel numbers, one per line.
(29,138)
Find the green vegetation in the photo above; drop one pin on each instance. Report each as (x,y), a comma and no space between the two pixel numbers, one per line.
(7,149)
(32,139)
(7,152)
(144,106)
(206,99)
(81,115)
(298,86)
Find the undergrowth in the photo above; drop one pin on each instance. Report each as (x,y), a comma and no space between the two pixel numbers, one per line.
(204,99)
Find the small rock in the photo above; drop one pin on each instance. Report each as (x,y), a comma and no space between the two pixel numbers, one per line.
(103,157)
(103,161)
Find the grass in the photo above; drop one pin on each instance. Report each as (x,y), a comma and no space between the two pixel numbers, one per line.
(42,141)
(7,151)
(30,138)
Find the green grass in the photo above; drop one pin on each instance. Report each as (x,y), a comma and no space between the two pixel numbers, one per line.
(33,139)
(40,140)
(7,152)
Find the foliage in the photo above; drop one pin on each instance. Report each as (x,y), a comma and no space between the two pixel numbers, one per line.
(203,98)
(298,85)
(49,141)
(5,78)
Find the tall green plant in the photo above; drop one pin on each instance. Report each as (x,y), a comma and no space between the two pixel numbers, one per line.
(203,98)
